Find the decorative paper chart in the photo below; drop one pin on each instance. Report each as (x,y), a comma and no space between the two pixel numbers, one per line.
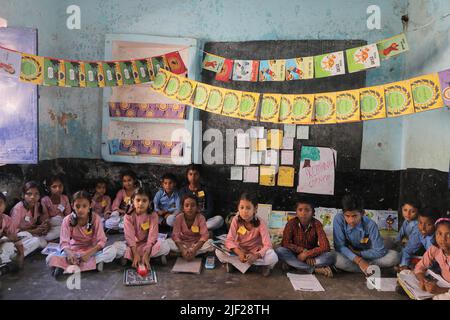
(245,70)
(272,70)
(249,105)
(325,108)
(140,71)
(330,64)
(72,73)
(362,58)
(371,100)
(426,93)
(109,70)
(186,91)
(212,62)
(398,99)
(286,108)
(201,95)
(91,70)
(302,109)
(227,69)
(300,68)
(270,107)
(393,46)
(54,74)
(347,106)
(175,62)
(215,100)
(126,70)
(32,69)
(231,103)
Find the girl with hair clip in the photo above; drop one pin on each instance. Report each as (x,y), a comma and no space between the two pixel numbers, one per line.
(57,205)
(249,238)
(29,217)
(82,240)
(141,234)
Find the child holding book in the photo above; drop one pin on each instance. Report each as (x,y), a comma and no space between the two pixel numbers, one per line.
(167,200)
(249,238)
(190,235)
(305,245)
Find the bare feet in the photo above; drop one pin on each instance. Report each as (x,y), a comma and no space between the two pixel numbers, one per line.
(326,271)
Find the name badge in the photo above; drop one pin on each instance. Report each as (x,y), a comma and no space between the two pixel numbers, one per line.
(195,229)
(145,226)
(242,230)
(104,203)
(201,194)
(27,218)
(61,207)
(126,199)
(88,232)
(364,240)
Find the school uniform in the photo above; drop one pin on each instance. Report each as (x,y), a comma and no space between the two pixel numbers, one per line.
(165,202)
(121,201)
(102,206)
(141,231)
(190,236)
(416,242)
(8,250)
(255,241)
(56,213)
(80,239)
(365,238)
(206,205)
(23,220)
(407,228)
(297,238)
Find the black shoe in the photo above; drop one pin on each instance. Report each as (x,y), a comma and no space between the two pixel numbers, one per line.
(58,272)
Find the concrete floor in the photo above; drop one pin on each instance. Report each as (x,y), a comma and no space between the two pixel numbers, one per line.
(36,282)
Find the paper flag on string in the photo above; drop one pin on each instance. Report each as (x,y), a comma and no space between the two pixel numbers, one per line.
(175,62)
(286,176)
(54,74)
(398,99)
(172,86)
(330,64)
(372,104)
(72,73)
(302,109)
(159,84)
(213,62)
(347,106)
(140,71)
(300,68)
(249,105)
(227,69)
(126,70)
(272,70)
(101,75)
(186,91)
(267,175)
(444,79)
(361,58)
(245,70)
(201,95)
(393,46)
(286,108)
(231,103)
(31,69)
(158,63)
(426,93)
(270,107)
(82,74)
(325,108)
(109,70)
(215,100)
(118,73)
(10,63)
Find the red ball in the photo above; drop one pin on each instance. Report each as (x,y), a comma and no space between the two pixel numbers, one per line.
(142,270)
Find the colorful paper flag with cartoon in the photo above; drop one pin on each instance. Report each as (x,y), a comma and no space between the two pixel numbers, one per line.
(201,95)
(325,108)
(372,103)
(126,70)
(362,58)
(270,107)
(172,86)
(347,106)
(249,105)
(140,71)
(186,91)
(54,74)
(72,73)
(398,99)
(286,108)
(109,70)
(31,69)
(302,109)
(175,62)
(444,79)
(159,62)
(227,69)
(160,82)
(245,70)
(393,46)
(272,70)
(300,68)
(213,62)
(91,72)
(330,64)
(231,103)
(215,100)
(10,63)
(426,92)
(82,74)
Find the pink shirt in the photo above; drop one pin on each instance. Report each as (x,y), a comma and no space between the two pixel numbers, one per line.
(62,209)
(256,241)
(121,200)
(141,230)
(102,206)
(7,226)
(24,219)
(182,233)
(434,254)
(78,238)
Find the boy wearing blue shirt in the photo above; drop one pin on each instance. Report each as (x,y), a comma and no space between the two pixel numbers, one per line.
(357,241)
(167,200)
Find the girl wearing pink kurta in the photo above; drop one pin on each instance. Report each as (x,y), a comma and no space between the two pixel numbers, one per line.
(248,238)
(81,240)
(439,253)
(190,235)
(57,205)
(141,233)
(101,203)
(29,216)
(122,201)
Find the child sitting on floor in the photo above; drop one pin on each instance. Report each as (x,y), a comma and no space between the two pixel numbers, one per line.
(82,240)
(305,245)
(409,211)
(101,202)
(190,235)
(167,200)
(357,240)
(141,233)
(249,238)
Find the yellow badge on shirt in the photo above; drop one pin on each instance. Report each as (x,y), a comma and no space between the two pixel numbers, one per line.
(88,232)
(126,199)
(364,240)
(145,225)
(104,203)
(201,194)
(195,229)
(242,230)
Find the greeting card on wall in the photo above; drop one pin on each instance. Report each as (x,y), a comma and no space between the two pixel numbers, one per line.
(330,64)
(317,170)
(272,70)
(391,47)
(362,58)
(227,69)
(300,68)
(245,70)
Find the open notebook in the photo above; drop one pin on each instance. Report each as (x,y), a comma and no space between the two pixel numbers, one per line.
(412,288)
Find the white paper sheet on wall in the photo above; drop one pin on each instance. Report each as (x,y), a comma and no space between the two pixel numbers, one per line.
(236,173)
(251,174)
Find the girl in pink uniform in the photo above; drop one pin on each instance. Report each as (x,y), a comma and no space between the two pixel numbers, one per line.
(249,239)
(122,201)
(190,235)
(141,233)
(101,203)
(29,216)
(57,205)
(82,240)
